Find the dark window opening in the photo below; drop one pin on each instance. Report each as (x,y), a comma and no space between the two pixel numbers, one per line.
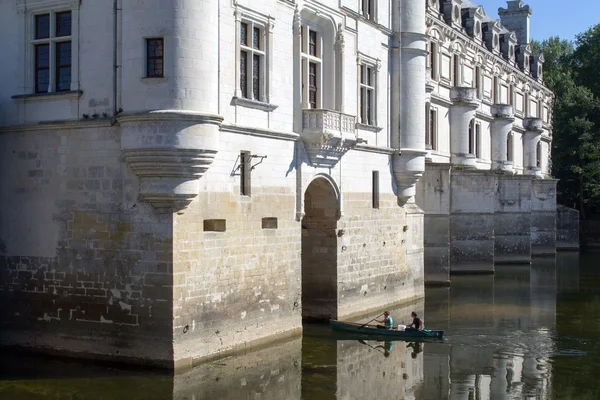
(312,84)
(42,68)
(269,223)
(154,58)
(63,23)
(245,172)
(215,225)
(375,189)
(63,66)
(42,26)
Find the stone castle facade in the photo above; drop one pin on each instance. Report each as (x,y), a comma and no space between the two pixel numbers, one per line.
(185,179)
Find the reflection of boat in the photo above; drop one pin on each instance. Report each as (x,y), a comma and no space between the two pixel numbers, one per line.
(388,333)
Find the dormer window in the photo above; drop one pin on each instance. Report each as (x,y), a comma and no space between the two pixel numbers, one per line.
(456,14)
(511,52)
(477,29)
(496,42)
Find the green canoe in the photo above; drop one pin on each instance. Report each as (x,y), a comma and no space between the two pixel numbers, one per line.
(373,330)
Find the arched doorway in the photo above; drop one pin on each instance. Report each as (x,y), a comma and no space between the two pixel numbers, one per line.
(319,251)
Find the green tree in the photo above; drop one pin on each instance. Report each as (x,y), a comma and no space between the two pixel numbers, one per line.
(576,141)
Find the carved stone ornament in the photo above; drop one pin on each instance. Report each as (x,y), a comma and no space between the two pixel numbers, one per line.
(327,135)
(169,151)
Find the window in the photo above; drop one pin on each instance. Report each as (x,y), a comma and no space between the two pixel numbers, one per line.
(252,61)
(509,147)
(478,140)
(472,137)
(511,96)
(245,172)
(456,70)
(155,58)
(495,94)
(432,59)
(52,52)
(311,68)
(478,82)
(431,127)
(375,189)
(367,95)
(538,155)
(368,9)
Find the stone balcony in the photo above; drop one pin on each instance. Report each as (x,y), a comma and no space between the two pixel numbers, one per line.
(466,96)
(327,135)
(533,124)
(503,111)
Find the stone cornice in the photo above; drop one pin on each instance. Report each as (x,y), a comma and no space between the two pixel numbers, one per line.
(375,149)
(265,133)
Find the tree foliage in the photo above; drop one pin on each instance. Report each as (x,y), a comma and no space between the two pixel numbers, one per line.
(570,72)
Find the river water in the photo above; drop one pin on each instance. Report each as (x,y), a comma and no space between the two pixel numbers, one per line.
(527,332)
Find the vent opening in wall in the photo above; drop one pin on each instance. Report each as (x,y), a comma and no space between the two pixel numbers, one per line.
(215,225)
(375,191)
(269,223)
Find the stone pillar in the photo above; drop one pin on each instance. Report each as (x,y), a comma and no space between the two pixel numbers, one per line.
(472,222)
(531,139)
(501,127)
(543,217)
(462,113)
(409,164)
(433,196)
(512,220)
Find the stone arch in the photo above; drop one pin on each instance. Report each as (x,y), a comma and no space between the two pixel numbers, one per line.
(320,249)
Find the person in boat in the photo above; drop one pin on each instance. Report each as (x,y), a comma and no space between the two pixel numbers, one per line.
(387,321)
(416,325)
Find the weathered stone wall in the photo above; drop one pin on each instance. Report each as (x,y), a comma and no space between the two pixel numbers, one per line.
(512,220)
(81,258)
(433,196)
(567,228)
(543,217)
(472,221)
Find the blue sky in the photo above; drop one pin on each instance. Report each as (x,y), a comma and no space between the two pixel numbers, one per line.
(554,17)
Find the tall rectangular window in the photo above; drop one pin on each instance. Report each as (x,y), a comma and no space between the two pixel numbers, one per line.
(367,94)
(431,127)
(252,61)
(375,191)
(155,58)
(432,60)
(478,82)
(368,9)
(311,68)
(52,52)
(245,172)
(478,140)
(538,155)
(456,76)
(472,137)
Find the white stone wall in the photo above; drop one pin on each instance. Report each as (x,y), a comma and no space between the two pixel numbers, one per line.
(528,91)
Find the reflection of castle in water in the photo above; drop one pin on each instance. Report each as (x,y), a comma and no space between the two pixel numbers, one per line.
(502,332)
(500,341)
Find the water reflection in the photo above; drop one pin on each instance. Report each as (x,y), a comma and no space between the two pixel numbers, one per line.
(527,332)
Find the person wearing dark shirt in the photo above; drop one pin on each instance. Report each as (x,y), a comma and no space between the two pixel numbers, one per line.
(417,324)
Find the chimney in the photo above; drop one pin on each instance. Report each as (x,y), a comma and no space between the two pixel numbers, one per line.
(517,18)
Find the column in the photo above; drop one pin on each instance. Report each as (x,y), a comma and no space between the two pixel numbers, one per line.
(501,127)
(461,114)
(531,139)
(409,164)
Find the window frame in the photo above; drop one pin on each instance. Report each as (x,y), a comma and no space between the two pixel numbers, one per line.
(53,41)
(148,58)
(538,154)
(367,107)
(431,115)
(368,9)
(510,147)
(478,149)
(251,54)
(307,61)
(471,138)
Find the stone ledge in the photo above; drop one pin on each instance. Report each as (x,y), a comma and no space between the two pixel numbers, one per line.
(68,95)
(255,104)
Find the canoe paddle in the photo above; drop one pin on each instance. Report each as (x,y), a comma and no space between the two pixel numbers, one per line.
(365,324)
